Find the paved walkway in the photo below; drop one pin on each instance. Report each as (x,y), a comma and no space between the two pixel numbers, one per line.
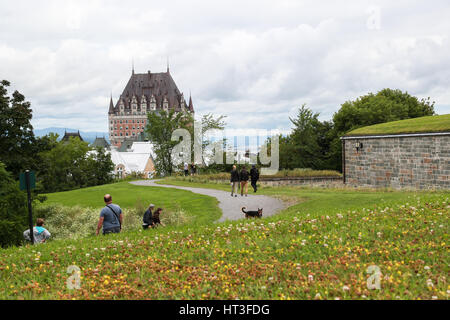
(231,206)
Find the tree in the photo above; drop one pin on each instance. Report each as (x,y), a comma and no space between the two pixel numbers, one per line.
(16,132)
(64,166)
(13,210)
(385,106)
(98,168)
(160,126)
(208,124)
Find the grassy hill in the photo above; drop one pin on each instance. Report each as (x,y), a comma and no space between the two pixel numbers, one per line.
(416,125)
(319,248)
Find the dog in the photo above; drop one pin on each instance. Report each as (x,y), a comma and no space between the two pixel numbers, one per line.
(252,214)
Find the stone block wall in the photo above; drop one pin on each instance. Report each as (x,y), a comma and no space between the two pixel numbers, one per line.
(403,162)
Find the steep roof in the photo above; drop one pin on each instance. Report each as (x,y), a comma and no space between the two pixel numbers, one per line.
(100,142)
(158,85)
(429,124)
(67,135)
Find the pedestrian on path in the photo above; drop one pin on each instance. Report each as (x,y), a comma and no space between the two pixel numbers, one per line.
(244,181)
(254,175)
(234,181)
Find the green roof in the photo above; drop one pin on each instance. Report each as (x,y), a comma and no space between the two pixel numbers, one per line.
(417,125)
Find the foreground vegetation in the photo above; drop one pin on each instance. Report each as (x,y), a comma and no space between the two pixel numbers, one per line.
(74,214)
(319,248)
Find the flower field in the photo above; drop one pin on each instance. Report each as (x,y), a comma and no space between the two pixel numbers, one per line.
(397,250)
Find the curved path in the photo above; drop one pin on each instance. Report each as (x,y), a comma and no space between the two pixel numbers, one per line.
(230,206)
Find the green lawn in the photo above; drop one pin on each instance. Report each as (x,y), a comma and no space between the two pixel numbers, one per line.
(416,125)
(320,248)
(204,209)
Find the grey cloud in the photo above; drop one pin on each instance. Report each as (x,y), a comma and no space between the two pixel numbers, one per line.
(255,61)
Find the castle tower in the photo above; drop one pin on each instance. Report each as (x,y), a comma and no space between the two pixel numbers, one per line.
(144,93)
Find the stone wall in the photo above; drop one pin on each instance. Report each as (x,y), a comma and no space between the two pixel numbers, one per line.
(303,181)
(296,181)
(398,162)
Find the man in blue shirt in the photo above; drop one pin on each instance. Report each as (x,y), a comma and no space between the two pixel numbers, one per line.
(110,217)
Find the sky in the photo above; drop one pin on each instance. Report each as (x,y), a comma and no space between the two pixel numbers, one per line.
(256,62)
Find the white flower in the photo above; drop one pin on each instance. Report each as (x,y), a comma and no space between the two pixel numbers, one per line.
(310,278)
(345,288)
(427,268)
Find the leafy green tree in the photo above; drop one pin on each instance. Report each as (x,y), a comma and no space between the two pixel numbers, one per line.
(13,210)
(16,133)
(208,123)
(160,126)
(385,106)
(64,166)
(98,168)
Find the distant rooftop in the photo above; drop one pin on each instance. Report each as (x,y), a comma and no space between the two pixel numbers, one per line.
(67,135)
(431,124)
(100,142)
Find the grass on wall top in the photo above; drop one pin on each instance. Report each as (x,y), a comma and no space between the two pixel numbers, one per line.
(417,125)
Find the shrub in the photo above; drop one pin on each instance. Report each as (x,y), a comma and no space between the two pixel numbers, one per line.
(76,222)
(13,210)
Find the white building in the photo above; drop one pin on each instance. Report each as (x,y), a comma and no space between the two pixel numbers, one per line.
(138,158)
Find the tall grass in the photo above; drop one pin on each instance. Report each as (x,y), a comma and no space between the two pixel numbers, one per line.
(78,222)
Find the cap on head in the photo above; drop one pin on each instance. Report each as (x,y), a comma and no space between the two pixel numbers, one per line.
(151,205)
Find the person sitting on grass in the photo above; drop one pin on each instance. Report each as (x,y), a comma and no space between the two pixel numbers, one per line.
(155,219)
(110,217)
(148,217)
(39,232)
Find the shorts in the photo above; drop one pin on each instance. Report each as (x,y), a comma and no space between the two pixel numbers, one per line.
(112,230)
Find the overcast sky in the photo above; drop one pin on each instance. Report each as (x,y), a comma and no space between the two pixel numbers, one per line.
(254,61)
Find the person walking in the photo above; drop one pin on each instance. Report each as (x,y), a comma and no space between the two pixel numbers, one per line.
(254,175)
(193,169)
(244,181)
(186,169)
(110,217)
(148,217)
(39,232)
(234,181)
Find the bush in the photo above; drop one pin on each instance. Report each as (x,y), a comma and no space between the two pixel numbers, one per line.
(76,222)
(13,210)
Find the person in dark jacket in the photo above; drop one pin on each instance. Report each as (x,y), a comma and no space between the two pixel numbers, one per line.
(234,181)
(244,181)
(156,220)
(254,176)
(148,217)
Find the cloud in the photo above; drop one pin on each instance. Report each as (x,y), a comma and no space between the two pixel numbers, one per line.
(254,61)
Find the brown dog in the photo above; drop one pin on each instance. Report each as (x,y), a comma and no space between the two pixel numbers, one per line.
(252,214)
